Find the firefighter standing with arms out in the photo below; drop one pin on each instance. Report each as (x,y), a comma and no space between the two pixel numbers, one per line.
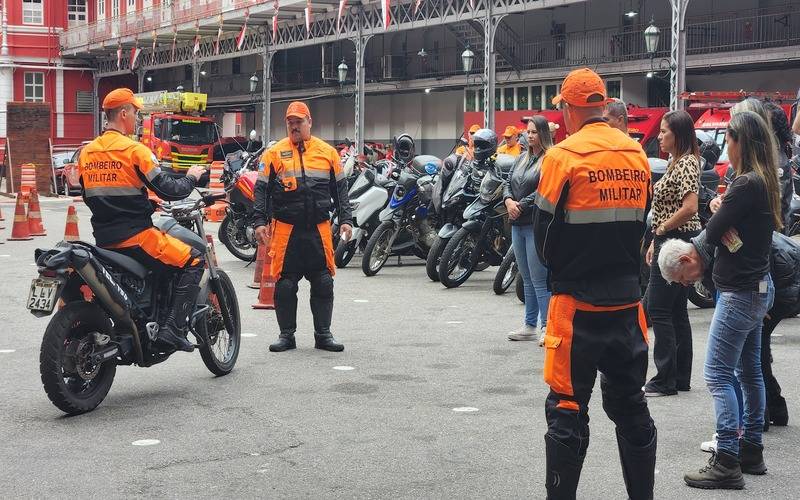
(589,220)
(116,172)
(301,175)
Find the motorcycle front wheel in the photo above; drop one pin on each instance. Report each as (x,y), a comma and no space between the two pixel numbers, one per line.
(236,242)
(434,256)
(344,253)
(72,382)
(506,274)
(378,249)
(702,297)
(221,327)
(459,258)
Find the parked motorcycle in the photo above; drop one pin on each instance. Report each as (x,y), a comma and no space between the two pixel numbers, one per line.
(486,234)
(236,231)
(506,273)
(116,320)
(407,227)
(368,196)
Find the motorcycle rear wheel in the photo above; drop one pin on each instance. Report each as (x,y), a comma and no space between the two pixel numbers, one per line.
(344,253)
(462,250)
(434,256)
(701,297)
(221,349)
(228,235)
(378,242)
(66,335)
(506,274)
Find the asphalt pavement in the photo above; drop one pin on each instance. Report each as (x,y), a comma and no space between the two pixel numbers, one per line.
(378,420)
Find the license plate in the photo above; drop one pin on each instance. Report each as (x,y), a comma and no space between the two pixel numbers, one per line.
(42,296)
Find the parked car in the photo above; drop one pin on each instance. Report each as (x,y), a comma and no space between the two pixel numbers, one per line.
(67,179)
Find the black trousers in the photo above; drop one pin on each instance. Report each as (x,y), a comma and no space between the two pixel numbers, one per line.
(666,305)
(774,399)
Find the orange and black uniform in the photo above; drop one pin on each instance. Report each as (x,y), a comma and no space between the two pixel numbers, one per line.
(298,188)
(115,174)
(589,219)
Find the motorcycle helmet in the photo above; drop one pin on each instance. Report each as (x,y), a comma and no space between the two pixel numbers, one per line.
(485,144)
(710,152)
(404,148)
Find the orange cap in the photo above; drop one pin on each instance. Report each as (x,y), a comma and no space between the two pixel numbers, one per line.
(474,128)
(119,97)
(298,109)
(510,131)
(583,88)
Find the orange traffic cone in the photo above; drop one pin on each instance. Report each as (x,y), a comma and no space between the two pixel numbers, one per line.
(35,215)
(266,294)
(260,255)
(71,229)
(20,230)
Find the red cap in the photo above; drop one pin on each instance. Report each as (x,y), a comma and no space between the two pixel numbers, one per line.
(119,97)
(583,88)
(298,109)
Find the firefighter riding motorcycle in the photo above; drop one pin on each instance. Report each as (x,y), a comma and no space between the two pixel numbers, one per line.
(109,308)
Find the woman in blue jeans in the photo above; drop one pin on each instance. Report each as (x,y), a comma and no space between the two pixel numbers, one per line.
(519,196)
(741,229)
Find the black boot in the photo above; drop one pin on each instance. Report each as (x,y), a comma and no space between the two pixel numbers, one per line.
(751,457)
(322,311)
(563,470)
(778,413)
(723,472)
(638,466)
(173,333)
(285,342)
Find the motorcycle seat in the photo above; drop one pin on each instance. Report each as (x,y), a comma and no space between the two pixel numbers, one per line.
(122,261)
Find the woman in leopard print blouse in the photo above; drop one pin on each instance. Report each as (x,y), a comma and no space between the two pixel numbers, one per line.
(674,212)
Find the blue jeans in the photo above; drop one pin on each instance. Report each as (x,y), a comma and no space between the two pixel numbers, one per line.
(734,352)
(534,275)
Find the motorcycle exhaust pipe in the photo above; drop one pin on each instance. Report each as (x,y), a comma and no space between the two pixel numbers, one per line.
(111,297)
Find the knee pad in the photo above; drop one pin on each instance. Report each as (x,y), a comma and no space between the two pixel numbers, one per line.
(322,284)
(285,287)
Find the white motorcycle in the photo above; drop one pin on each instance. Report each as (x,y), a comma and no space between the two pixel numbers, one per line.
(368,195)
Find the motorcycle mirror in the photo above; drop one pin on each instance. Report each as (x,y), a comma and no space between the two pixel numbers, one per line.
(253,135)
(463,141)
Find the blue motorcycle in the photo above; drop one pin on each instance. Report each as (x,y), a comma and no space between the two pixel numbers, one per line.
(407,227)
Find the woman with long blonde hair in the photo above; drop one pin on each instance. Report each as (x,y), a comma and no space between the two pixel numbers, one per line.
(741,229)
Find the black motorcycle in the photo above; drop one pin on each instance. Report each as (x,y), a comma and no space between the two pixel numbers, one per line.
(110,308)
(486,234)
(236,231)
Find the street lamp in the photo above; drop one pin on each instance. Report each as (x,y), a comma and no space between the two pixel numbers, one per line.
(342,70)
(651,38)
(179,88)
(253,83)
(467,60)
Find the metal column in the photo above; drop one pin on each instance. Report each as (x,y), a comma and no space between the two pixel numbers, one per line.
(140,79)
(196,76)
(490,24)
(96,104)
(266,95)
(677,77)
(361,44)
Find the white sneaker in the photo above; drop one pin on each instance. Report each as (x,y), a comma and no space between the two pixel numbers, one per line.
(527,332)
(542,333)
(710,446)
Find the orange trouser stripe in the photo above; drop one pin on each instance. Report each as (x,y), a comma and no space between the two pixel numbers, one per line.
(160,246)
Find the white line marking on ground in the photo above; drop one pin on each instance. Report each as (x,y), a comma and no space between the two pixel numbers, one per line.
(343,368)
(249,335)
(465,409)
(146,442)
(455,322)
(5,256)
(360,301)
(7,351)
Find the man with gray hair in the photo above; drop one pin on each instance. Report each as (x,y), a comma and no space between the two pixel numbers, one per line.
(616,114)
(687,263)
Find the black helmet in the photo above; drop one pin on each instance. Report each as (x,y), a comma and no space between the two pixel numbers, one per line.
(404,148)
(710,152)
(485,144)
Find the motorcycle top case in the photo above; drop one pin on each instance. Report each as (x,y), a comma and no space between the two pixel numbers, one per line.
(419,165)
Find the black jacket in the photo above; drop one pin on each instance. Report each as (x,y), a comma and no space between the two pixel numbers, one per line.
(521,186)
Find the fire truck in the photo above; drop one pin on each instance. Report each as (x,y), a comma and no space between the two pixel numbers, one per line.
(712,112)
(175,130)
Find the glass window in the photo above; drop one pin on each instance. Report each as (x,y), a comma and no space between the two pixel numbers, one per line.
(114,8)
(131,6)
(479,98)
(101,9)
(76,12)
(469,101)
(508,98)
(236,65)
(498,99)
(34,87)
(550,91)
(522,98)
(32,11)
(614,88)
(84,102)
(536,97)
